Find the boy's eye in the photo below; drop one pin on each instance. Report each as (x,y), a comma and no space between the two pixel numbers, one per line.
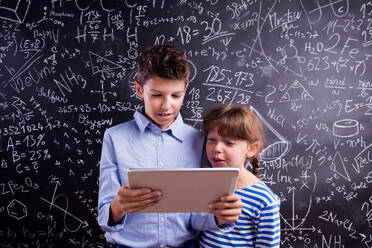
(155,95)
(176,96)
(211,140)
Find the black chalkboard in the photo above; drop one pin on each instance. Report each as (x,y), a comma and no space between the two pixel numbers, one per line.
(66,74)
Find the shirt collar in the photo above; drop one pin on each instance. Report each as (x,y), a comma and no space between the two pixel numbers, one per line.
(176,129)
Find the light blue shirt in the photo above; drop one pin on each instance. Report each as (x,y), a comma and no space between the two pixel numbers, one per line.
(139,143)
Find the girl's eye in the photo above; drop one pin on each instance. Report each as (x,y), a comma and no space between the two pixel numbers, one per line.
(229,143)
(211,140)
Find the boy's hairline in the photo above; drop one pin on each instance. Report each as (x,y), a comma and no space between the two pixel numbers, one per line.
(186,82)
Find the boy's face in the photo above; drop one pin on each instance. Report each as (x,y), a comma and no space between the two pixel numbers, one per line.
(162,99)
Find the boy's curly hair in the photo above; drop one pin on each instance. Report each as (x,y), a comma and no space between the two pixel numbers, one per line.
(164,61)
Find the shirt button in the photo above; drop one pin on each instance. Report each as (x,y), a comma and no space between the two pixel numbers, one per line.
(160,164)
(161,219)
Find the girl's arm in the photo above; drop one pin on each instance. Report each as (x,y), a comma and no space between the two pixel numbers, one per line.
(268,231)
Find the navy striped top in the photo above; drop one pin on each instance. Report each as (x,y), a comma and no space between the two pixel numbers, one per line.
(258,224)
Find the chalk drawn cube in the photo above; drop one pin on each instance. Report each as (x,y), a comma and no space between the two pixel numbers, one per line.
(14,10)
(17,209)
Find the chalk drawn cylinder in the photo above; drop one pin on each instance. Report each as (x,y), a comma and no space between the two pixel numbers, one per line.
(345,128)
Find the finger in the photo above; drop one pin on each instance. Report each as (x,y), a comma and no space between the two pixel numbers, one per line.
(228,219)
(156,195)
(226,212)
(230,198)
(125,191)
(137,206)
(226,205)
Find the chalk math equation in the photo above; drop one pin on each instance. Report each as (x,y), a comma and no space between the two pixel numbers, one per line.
(67,70)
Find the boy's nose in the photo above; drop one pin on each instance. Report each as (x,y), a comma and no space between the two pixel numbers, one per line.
(165,103)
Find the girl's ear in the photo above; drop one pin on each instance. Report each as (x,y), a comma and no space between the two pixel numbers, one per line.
(139,89)
(252,149)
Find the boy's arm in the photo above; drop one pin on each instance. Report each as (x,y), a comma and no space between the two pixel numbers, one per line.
(109,183)
(115,199)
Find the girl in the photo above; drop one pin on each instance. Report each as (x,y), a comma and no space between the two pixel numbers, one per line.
(234,137)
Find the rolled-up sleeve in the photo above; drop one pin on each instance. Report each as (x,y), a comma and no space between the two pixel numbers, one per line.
(109,183)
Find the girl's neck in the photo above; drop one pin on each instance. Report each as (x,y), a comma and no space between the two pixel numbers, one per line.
(246,179)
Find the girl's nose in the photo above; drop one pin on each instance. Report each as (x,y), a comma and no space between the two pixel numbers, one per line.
(218,147)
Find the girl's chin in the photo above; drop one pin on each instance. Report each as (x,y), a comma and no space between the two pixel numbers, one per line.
(217,165)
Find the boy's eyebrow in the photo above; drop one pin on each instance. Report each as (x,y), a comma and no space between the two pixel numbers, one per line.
(181,91)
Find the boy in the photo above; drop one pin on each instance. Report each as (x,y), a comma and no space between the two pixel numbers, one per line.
(155,138)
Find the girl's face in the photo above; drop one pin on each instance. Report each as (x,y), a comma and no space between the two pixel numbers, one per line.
(226,152)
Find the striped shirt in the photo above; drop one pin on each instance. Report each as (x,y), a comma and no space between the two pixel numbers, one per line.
(258,224)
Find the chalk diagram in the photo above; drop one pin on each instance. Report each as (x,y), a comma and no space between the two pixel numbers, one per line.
(276,150)
(295,223)
(70,221)
(287,52)
(17,209)
(102,65)
(296,92)
(14,10)
(345,128)
(363,158)
(290,52)
(338,166)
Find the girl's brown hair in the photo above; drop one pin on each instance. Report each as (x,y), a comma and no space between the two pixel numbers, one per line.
(237,122)
(164,61)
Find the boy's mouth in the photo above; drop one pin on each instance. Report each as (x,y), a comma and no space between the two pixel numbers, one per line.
(164,116)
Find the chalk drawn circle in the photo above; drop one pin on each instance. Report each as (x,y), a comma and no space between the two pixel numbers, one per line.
(345,128)
(275,151)
(193,71)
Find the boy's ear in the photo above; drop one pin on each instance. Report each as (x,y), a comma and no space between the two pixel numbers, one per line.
(252,149)
(139,89)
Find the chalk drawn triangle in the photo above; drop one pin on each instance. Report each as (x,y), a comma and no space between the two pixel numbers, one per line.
(296,92)
(338,166)
(100,64)
(277,149)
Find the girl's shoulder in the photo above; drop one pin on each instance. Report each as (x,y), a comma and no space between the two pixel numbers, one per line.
(259,192)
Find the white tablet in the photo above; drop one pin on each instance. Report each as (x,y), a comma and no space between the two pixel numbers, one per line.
(185,190)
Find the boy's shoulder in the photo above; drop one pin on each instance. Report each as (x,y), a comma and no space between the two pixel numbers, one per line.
(124,126)
(192,131)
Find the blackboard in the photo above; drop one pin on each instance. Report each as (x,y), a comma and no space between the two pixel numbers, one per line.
(66,74)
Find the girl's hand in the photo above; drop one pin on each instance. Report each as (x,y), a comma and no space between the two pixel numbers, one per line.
(129,200)
(227,210)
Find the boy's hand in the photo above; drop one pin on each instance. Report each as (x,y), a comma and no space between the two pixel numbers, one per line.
(228,209)
(129,200)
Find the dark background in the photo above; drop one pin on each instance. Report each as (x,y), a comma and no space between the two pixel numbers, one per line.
(66,74)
